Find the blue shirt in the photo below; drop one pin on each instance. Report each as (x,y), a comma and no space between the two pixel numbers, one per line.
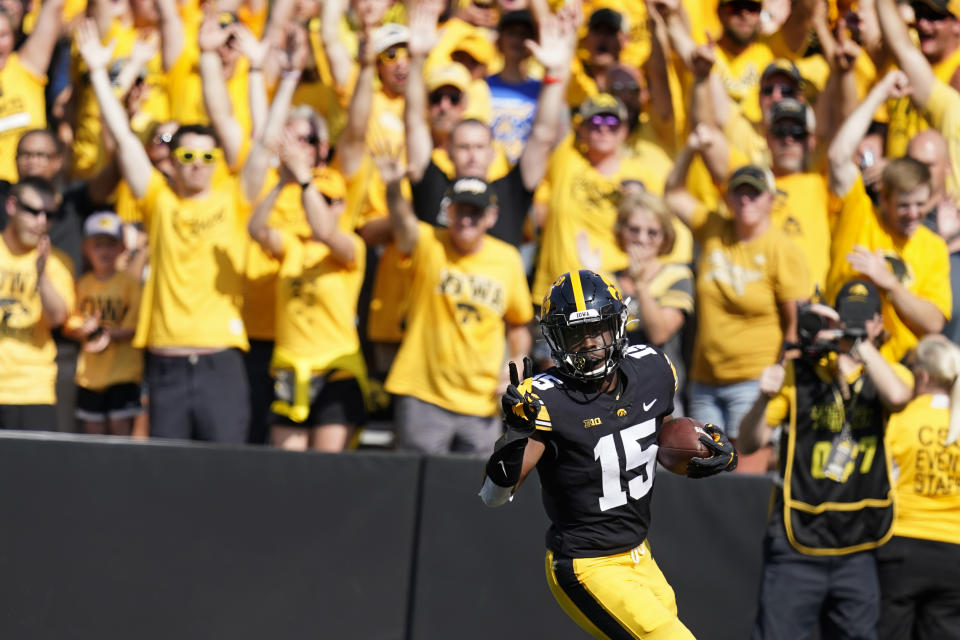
(513,108)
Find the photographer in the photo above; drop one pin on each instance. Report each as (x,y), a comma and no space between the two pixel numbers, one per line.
(834,505)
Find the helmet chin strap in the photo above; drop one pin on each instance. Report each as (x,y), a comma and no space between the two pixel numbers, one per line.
(578,363)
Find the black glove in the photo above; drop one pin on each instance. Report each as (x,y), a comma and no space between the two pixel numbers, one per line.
(520,410)
(724,456)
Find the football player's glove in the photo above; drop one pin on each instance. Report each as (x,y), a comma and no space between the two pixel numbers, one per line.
(520,410)
(724,456)
(519,416)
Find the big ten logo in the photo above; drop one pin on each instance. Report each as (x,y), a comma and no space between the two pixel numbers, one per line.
(110,309)
(197,224)
(861,458)
(470,293)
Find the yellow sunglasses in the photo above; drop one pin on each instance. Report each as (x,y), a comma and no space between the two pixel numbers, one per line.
(393,54)
(191,156)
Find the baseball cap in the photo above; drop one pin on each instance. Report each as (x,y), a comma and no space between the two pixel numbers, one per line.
(792,110)
(386,36)
(454,75)
(606,17)
(472,191)
(757,177)
(477,47)
(103,223)
(951,7)
(857,302)
(518,16)
(785,67)
(600,104)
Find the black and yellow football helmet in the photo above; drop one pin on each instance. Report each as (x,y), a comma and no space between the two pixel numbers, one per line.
(584,321)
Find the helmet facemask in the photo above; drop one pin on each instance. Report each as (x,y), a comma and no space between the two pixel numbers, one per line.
(588,348)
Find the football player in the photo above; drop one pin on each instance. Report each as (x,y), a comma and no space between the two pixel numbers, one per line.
(590,426)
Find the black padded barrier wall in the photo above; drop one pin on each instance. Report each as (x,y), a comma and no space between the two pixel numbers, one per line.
(147,541)
(106,539)
(480,571)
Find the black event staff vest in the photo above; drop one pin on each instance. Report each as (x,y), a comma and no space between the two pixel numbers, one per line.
(596,474)
(823,516)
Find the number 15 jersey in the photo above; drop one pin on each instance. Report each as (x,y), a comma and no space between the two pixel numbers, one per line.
(597,470)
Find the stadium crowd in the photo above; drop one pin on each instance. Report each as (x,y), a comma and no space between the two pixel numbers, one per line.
(242,222)
(266,223)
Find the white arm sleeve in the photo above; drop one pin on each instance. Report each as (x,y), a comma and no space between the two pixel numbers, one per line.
(493,495)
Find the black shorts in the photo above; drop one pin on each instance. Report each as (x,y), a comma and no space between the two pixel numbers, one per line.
(117,402)
(338,402)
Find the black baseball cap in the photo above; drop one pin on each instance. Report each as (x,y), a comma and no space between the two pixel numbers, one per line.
(471,191)
(519,16)
(785,67)
(790,109)
(857,302)
(606,17)
(943,7)
(753,175)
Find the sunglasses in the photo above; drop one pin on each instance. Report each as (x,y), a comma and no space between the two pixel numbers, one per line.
(50,213)
(786,90)
(651,232)
(393,54)
(922,11)
(797,132)
(191,156)
(311,139)
(453,96)
(741,6)
(608,121)
(36,155)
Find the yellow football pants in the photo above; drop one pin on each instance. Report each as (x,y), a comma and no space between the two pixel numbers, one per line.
(623,596)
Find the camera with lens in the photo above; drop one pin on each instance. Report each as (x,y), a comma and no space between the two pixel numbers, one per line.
(811,326)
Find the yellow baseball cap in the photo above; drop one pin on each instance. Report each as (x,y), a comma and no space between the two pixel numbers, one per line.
(453,75)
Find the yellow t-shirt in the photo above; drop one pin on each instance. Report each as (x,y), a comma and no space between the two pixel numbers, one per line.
(943,112)
(186,91)
(801,210)
(193,296)
(739,285)
(260,274)
(22,107)
(390,296)
(317,299)
(921,264)
(27,351)
(745,138)
(583,200)
(905,119)
(925,472)
(89,156)
(117,300)
(641,147)
(453,349)
(740,75)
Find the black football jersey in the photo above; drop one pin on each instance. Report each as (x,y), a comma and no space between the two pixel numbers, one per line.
(598,468)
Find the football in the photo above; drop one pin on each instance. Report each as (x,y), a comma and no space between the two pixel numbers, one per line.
(679,441)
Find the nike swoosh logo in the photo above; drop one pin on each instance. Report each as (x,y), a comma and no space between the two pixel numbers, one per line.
(646,406)
(503,469)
